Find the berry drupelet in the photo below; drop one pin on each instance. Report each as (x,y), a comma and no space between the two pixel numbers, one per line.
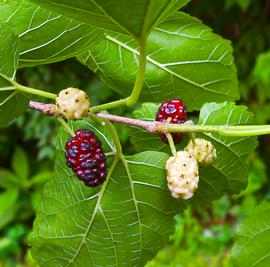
(85,156)
(172,111)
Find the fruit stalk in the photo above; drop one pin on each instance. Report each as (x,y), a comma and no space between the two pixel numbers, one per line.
(171,144)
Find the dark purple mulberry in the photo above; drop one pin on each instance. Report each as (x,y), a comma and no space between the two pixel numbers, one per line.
(85,156)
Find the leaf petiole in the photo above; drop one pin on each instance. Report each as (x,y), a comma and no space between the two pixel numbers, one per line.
(33,91)
(28,90)
(135,94)
(110,105)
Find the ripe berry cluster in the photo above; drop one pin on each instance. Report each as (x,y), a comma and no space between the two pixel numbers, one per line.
(172,111)
(85,156)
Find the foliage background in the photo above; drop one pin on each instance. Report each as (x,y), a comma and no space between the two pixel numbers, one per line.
(202,237)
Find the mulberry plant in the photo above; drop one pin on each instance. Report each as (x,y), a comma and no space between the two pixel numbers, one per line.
(104,207)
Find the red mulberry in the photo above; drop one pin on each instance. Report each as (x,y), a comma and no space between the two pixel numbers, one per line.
(172,111)
(85,156)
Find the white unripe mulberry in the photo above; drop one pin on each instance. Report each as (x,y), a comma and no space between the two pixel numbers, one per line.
(182,175)
(72,103)
(202,150)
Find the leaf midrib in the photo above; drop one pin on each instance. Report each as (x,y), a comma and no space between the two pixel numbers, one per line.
(97,207)
(157,64)
(125,163)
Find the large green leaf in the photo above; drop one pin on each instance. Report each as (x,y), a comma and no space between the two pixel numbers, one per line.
(9,53)
(230,170)
(19,163)
(251,247)
(11,106)
(12,103)
(45,36)
(8,207)
(229,173)
(8,179)
(125,16)
(124,222)
(185,59)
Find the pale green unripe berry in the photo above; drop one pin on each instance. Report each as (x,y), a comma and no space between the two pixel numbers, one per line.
(202,150)
(182,175)
(72,103)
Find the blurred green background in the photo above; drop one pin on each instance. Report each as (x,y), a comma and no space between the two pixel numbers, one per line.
(202,237)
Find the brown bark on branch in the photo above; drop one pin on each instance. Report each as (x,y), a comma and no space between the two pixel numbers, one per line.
(153,127)
(46,109)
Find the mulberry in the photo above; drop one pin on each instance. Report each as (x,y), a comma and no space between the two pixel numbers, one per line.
(85,156)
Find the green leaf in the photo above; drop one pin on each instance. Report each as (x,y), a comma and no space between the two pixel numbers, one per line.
(251,247)
(12,103)
(35,199)
(229,172)
(19,163)
(244,4)
(9,54)
(11,106)
(100,131)
(185,59)
(40,178)
(261,71)
(8,210)
(124,222)
(8,179)
(138,17)
(45,36)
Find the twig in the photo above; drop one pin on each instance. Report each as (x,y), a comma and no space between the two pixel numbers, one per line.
(46,109)
(152,126)
(164,128)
